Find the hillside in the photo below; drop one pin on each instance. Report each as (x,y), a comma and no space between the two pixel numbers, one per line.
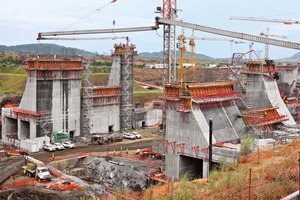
(45,49)
(160,55)
(270,173)
(295,56)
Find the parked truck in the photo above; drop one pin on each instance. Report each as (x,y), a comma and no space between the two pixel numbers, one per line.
(33,170)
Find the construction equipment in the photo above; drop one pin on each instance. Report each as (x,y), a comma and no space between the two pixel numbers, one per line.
(40,173)
(44,35)
(266,45)
(182,58)
(169,11)
(92,38)
(35,168)
(232,34)
(261,19)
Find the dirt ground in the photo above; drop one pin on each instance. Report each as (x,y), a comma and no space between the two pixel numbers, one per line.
(131,145)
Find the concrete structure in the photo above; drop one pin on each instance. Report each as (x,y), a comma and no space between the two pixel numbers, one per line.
(51,101)
(103,111)
(189,107)
(260,83)
(109,108)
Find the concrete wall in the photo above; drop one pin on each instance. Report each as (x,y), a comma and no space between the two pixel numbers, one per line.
(66,105)
(172,165)
(181,131)
(287,77)
(224,127)
(153,117)
(256,93)
(28,101)
(115,72)
(104,116)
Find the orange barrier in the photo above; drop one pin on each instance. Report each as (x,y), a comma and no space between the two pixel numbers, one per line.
(58,174)
(26,182)
(60,186)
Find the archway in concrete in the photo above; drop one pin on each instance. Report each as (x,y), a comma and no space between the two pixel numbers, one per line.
(192,166)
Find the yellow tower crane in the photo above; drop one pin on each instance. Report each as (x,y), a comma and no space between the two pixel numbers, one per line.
(181,58)
(182,66)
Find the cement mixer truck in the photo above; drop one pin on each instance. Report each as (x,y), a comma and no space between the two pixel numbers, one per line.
(35,168)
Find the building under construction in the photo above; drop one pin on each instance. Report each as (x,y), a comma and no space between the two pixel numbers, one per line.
(189,107)
(54,100)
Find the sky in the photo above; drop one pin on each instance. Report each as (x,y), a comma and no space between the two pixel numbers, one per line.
(21,21)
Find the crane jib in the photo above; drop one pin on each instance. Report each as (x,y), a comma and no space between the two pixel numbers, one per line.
(233,34)
(41,35)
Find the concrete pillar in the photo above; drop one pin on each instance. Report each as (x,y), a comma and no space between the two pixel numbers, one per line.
(19,129)
(32,130)
(205,172)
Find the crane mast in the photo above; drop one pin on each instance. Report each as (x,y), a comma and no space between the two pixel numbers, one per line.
(169,31)
(182,58)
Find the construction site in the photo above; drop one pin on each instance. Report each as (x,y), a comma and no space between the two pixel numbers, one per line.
(231,132)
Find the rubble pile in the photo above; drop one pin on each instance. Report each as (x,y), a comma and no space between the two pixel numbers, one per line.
(116,173)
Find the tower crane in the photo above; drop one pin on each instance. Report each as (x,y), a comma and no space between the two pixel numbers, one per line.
(267,45)
(261,19)
(182,58)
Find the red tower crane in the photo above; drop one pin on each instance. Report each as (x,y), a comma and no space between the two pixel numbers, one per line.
(266,45)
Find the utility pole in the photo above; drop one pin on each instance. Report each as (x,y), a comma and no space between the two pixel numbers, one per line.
(210,145)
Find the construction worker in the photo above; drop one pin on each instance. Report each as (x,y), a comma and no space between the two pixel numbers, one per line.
(52,156)
(127,151)
(24,172)
(114,152)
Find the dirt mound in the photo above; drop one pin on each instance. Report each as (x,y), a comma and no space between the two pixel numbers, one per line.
(39,193)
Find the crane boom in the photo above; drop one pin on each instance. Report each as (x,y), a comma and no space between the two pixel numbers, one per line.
(42,35)
(233,34)
(93,38)
(261,19)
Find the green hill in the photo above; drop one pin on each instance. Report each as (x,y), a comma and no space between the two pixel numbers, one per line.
(45,49)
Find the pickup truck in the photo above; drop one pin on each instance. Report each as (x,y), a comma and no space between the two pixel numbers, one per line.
(40,173)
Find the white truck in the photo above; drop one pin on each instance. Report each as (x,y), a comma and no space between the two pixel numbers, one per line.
(35,168)
(40,173)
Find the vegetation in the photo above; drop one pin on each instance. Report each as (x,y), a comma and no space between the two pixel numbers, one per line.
(276,176)
(185,192)
(247,144)
(100,69)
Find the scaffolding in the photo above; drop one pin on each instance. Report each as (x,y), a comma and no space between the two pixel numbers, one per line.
(87,103)
(126,52)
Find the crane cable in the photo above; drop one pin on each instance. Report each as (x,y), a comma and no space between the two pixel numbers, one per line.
(85,17)
(89,15)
